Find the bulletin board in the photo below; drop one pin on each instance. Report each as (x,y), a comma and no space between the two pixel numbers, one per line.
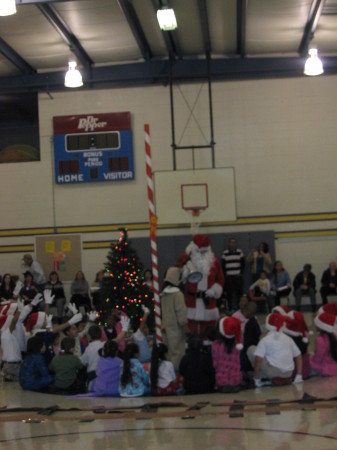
(59,252)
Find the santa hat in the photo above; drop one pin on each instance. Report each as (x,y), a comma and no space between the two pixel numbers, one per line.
(35,321)
(297,326)
(326,322)
(201,241)
(281,309)
(275,321)
(5,321)
(230,327)
(6,310)
(330,308)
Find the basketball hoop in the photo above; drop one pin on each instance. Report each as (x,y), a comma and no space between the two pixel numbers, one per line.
(195,222)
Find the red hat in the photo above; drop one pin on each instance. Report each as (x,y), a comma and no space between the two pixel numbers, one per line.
(330,308)
(35,321)
(281,309)
(275,321)
(326,322)
(201,240)
(230,327)
(6,310)
(5,321)
(297,326)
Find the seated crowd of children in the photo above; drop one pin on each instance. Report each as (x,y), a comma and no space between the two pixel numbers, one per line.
(99,355)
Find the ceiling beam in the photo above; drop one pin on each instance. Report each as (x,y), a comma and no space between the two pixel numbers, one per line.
(203,14)
(310,26)
(55,19)
(137,31)
(241,17)
(157,72)
(15,58)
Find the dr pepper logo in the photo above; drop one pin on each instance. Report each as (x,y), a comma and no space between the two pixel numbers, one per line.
(90,123)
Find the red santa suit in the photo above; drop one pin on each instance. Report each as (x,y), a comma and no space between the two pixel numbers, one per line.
(201,297)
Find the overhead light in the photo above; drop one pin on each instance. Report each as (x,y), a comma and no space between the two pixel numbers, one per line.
(7,7)
(313,65)
(166,19)
(73,78)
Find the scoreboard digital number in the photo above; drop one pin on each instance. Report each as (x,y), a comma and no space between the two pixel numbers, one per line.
(93,148)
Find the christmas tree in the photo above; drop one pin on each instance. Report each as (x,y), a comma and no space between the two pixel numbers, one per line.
(124,287)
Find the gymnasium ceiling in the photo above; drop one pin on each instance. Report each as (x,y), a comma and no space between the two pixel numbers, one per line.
(118,43)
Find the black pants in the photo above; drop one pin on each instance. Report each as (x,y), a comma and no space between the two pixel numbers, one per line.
(279,294)
(234,290)
(325,291)
(81,300)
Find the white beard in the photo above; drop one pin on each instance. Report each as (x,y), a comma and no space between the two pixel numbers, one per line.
(202,262)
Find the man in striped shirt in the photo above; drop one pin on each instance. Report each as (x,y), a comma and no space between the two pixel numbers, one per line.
(233,264)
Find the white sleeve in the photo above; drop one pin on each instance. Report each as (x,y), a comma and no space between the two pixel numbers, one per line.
(261,349)
(84,358)
(295,349)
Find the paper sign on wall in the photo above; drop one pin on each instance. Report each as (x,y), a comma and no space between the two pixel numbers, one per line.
(66,246)
(50,246)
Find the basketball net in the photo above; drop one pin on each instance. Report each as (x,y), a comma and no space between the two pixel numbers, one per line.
(195,222)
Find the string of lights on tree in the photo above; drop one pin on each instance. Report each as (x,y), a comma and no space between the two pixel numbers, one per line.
(124,288)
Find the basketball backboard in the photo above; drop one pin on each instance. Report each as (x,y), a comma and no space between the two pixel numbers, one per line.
(180,193)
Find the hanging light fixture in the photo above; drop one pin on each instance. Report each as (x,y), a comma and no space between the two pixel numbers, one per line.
(166,19)
(73,78)
(313,65)
(7,7)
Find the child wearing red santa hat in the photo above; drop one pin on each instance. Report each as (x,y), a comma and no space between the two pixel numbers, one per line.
(201,296)
(226,355)
(273,357)
(297,328)
(324,360)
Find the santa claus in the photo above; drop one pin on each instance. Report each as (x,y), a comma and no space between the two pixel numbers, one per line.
(204,281)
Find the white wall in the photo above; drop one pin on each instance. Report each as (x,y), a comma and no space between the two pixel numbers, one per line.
(279,135)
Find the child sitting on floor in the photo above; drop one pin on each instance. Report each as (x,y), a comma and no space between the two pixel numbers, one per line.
(226,355)
(107,371)
(273,357)
(297,329)
(196,367)
(67,368)
(134,381)
(34,374)
(324,360)
(251,335)
(239,314)
(162,372)
(90,357)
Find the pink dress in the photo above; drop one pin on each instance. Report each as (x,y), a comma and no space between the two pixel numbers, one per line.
(322,360)
(227,366)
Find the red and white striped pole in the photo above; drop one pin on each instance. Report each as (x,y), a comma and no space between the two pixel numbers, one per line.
(153,233)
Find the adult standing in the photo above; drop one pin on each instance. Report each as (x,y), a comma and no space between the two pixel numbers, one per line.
(305,284)
(259,259)
(36,270)
(329,282)
(201,296)
(233,264)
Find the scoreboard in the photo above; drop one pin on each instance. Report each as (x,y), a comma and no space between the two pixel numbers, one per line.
(93,148)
